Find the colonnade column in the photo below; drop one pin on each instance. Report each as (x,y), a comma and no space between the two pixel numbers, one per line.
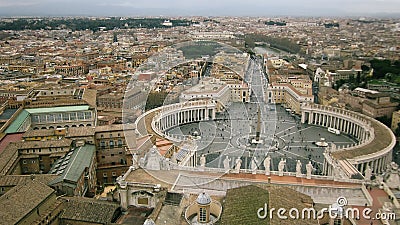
(310,117)
(362,168)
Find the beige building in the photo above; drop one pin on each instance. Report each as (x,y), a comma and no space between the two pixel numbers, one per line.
(370,103)
(291,91)
(328,96)
(39,156)
(378,105)
(113,157)
(224,92)
(395,120)
(132,99)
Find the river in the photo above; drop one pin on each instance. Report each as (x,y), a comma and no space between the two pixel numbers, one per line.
(266,50)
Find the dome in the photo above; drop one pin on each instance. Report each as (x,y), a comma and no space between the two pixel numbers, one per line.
(203,199)
(149,222)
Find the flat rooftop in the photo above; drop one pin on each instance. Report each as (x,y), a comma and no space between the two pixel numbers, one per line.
(382,140)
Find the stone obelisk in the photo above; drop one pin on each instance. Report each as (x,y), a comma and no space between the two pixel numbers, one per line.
(258,128)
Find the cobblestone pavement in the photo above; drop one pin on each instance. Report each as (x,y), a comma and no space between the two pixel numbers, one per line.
(283,135)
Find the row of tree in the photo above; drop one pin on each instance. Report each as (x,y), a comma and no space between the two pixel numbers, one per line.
(283,44)
(275,23)
(383,68)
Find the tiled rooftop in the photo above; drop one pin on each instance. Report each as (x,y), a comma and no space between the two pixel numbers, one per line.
(89,210)
(22,199)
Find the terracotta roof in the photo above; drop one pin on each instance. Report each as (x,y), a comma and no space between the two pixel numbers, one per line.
(241,204)
(114,127)
(381,105)
(7,157)
(80,131)
(44,144)
(89,95)
(14,180)
(22,199)
(39,133)
(89,210)
(9,138)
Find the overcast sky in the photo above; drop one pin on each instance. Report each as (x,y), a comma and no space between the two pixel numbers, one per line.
(199,7)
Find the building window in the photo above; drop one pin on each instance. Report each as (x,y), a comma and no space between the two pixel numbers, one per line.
(81,116)
(50,118)
(114,174)
(65,116)
(33,161)
(203,215)
(43,118)
(104,174)
(24,161)
(88,115)
(111,144)
(119,142)
(35,118)
(102,144)
(72,116)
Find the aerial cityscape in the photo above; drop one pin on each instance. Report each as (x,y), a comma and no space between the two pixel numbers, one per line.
(200,112)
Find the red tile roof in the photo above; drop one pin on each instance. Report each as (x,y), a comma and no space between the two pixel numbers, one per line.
(9,138)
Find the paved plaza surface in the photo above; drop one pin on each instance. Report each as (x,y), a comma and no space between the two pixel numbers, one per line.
(282,133)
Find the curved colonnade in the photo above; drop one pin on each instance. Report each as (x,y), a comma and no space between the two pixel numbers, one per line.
(374,147)
(169,116)
(375,140)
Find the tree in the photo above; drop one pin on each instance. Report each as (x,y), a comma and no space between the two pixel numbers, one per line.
(383,67)
(155,100)
(351,78)
(385,120)
(365,68)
